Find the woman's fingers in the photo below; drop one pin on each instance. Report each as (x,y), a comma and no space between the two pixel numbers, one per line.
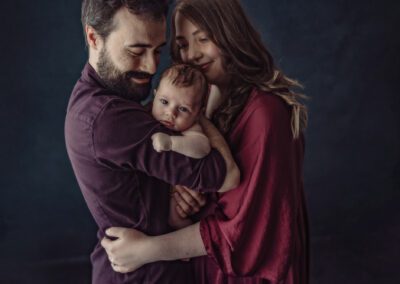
(183,208)
(193,198)
(198,196)
(181,213)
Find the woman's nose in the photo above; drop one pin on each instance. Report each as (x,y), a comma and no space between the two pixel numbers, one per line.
(194,54)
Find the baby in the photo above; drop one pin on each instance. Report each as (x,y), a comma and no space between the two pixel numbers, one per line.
(178,104)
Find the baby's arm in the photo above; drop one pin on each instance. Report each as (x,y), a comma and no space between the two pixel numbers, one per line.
(193,143)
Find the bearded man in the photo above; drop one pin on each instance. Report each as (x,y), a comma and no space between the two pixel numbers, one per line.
(124,181)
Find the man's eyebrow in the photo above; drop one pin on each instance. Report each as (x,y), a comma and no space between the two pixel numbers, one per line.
(145,45)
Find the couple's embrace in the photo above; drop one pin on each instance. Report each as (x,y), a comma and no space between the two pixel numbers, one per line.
(247,227)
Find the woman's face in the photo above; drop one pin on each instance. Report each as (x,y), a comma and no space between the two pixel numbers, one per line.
(195,47)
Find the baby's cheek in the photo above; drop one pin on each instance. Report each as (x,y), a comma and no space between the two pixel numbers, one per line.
(156,112)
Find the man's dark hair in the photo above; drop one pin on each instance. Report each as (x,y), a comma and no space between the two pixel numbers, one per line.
(99,13)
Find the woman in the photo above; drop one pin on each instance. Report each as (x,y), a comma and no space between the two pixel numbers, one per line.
(256,233)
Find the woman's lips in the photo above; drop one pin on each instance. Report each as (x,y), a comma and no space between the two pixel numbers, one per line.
(205,66)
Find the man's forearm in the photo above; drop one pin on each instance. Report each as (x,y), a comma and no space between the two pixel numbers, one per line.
(184,243)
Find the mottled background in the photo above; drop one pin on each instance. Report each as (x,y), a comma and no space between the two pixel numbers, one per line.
(346,53)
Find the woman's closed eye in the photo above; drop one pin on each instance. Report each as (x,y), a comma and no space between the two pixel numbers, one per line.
(204,39)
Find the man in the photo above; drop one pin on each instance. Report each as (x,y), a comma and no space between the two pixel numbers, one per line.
(124,181)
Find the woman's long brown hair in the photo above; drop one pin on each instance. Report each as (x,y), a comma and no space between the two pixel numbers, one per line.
(247,61)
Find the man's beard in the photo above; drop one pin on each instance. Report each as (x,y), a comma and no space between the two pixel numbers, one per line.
(121,82)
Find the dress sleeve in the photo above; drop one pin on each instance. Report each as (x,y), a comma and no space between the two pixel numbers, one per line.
(122,142)
(252,232)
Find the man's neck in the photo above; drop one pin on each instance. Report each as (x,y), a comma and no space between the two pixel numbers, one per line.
(93,62)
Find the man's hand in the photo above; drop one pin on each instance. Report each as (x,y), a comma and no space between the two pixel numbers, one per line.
(189,201)
(129,251)
(161,142)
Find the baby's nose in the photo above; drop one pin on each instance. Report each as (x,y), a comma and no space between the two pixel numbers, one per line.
(172,113)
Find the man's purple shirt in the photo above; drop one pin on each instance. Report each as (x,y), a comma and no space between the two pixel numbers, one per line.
(124,181)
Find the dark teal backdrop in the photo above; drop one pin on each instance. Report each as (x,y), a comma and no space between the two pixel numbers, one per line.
(346,53)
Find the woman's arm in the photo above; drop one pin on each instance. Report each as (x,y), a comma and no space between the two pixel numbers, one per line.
(232,178)
(133,249)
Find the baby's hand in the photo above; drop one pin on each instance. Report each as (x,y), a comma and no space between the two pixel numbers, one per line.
(161,142)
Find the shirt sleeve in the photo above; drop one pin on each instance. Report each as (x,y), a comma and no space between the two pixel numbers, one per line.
(252,232)
(122,141)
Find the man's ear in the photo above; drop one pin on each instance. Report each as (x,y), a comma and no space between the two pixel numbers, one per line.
(92,37)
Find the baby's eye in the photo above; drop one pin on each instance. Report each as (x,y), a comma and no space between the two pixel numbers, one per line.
(164,101)
(183,109)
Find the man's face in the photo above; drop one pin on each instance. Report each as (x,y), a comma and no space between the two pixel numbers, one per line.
(130,54)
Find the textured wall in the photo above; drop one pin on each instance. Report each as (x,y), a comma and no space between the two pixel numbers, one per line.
(344,52)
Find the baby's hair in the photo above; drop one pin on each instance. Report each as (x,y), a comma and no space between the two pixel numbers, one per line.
(184,75)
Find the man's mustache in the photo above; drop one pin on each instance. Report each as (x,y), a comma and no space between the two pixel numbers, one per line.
(138,75)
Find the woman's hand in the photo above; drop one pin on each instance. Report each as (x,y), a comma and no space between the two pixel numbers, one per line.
(129,251)
(188,201)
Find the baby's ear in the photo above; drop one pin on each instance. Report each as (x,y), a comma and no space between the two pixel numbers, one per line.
(155,92)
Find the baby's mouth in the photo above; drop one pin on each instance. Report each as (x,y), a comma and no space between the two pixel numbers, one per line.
(167,123)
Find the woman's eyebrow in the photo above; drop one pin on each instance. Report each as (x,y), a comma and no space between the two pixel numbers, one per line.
(196,32)
(182,37)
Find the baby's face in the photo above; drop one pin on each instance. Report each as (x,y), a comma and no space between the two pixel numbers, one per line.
(176,107)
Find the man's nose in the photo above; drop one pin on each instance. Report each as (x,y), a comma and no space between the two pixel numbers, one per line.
(149,64)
